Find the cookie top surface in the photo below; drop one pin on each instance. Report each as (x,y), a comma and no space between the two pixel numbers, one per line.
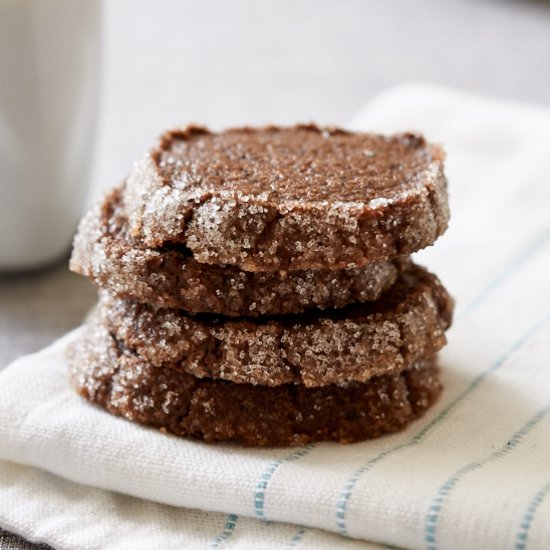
(265,199)
(104,251)
(303,163)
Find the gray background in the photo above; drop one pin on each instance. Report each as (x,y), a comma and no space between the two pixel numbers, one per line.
(233,62)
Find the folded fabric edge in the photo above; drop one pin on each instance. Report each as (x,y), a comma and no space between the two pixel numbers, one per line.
(40,525)
(414,91)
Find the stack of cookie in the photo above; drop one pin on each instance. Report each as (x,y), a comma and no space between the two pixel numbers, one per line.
(256,286)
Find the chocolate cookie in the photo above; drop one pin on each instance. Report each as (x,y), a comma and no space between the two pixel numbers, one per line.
(106,373)
(276,199)
(405,325)
(104,251)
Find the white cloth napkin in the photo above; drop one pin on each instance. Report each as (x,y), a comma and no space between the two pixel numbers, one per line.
(473,473)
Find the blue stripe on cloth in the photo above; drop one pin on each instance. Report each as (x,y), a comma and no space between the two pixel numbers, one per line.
(345,495)
(297,538)
(532,249)
(265,478)
(228,530)
(443,493)
(522,536)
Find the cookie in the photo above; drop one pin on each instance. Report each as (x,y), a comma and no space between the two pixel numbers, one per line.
(104,251)
(273,199)
(355,343)
(106,373)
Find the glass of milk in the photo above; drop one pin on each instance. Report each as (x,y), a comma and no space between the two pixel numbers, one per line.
(49,75)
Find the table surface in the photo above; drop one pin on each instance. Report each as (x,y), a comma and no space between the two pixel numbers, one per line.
(241,61)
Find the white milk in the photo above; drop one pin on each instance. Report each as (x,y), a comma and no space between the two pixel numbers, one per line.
(49,71)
